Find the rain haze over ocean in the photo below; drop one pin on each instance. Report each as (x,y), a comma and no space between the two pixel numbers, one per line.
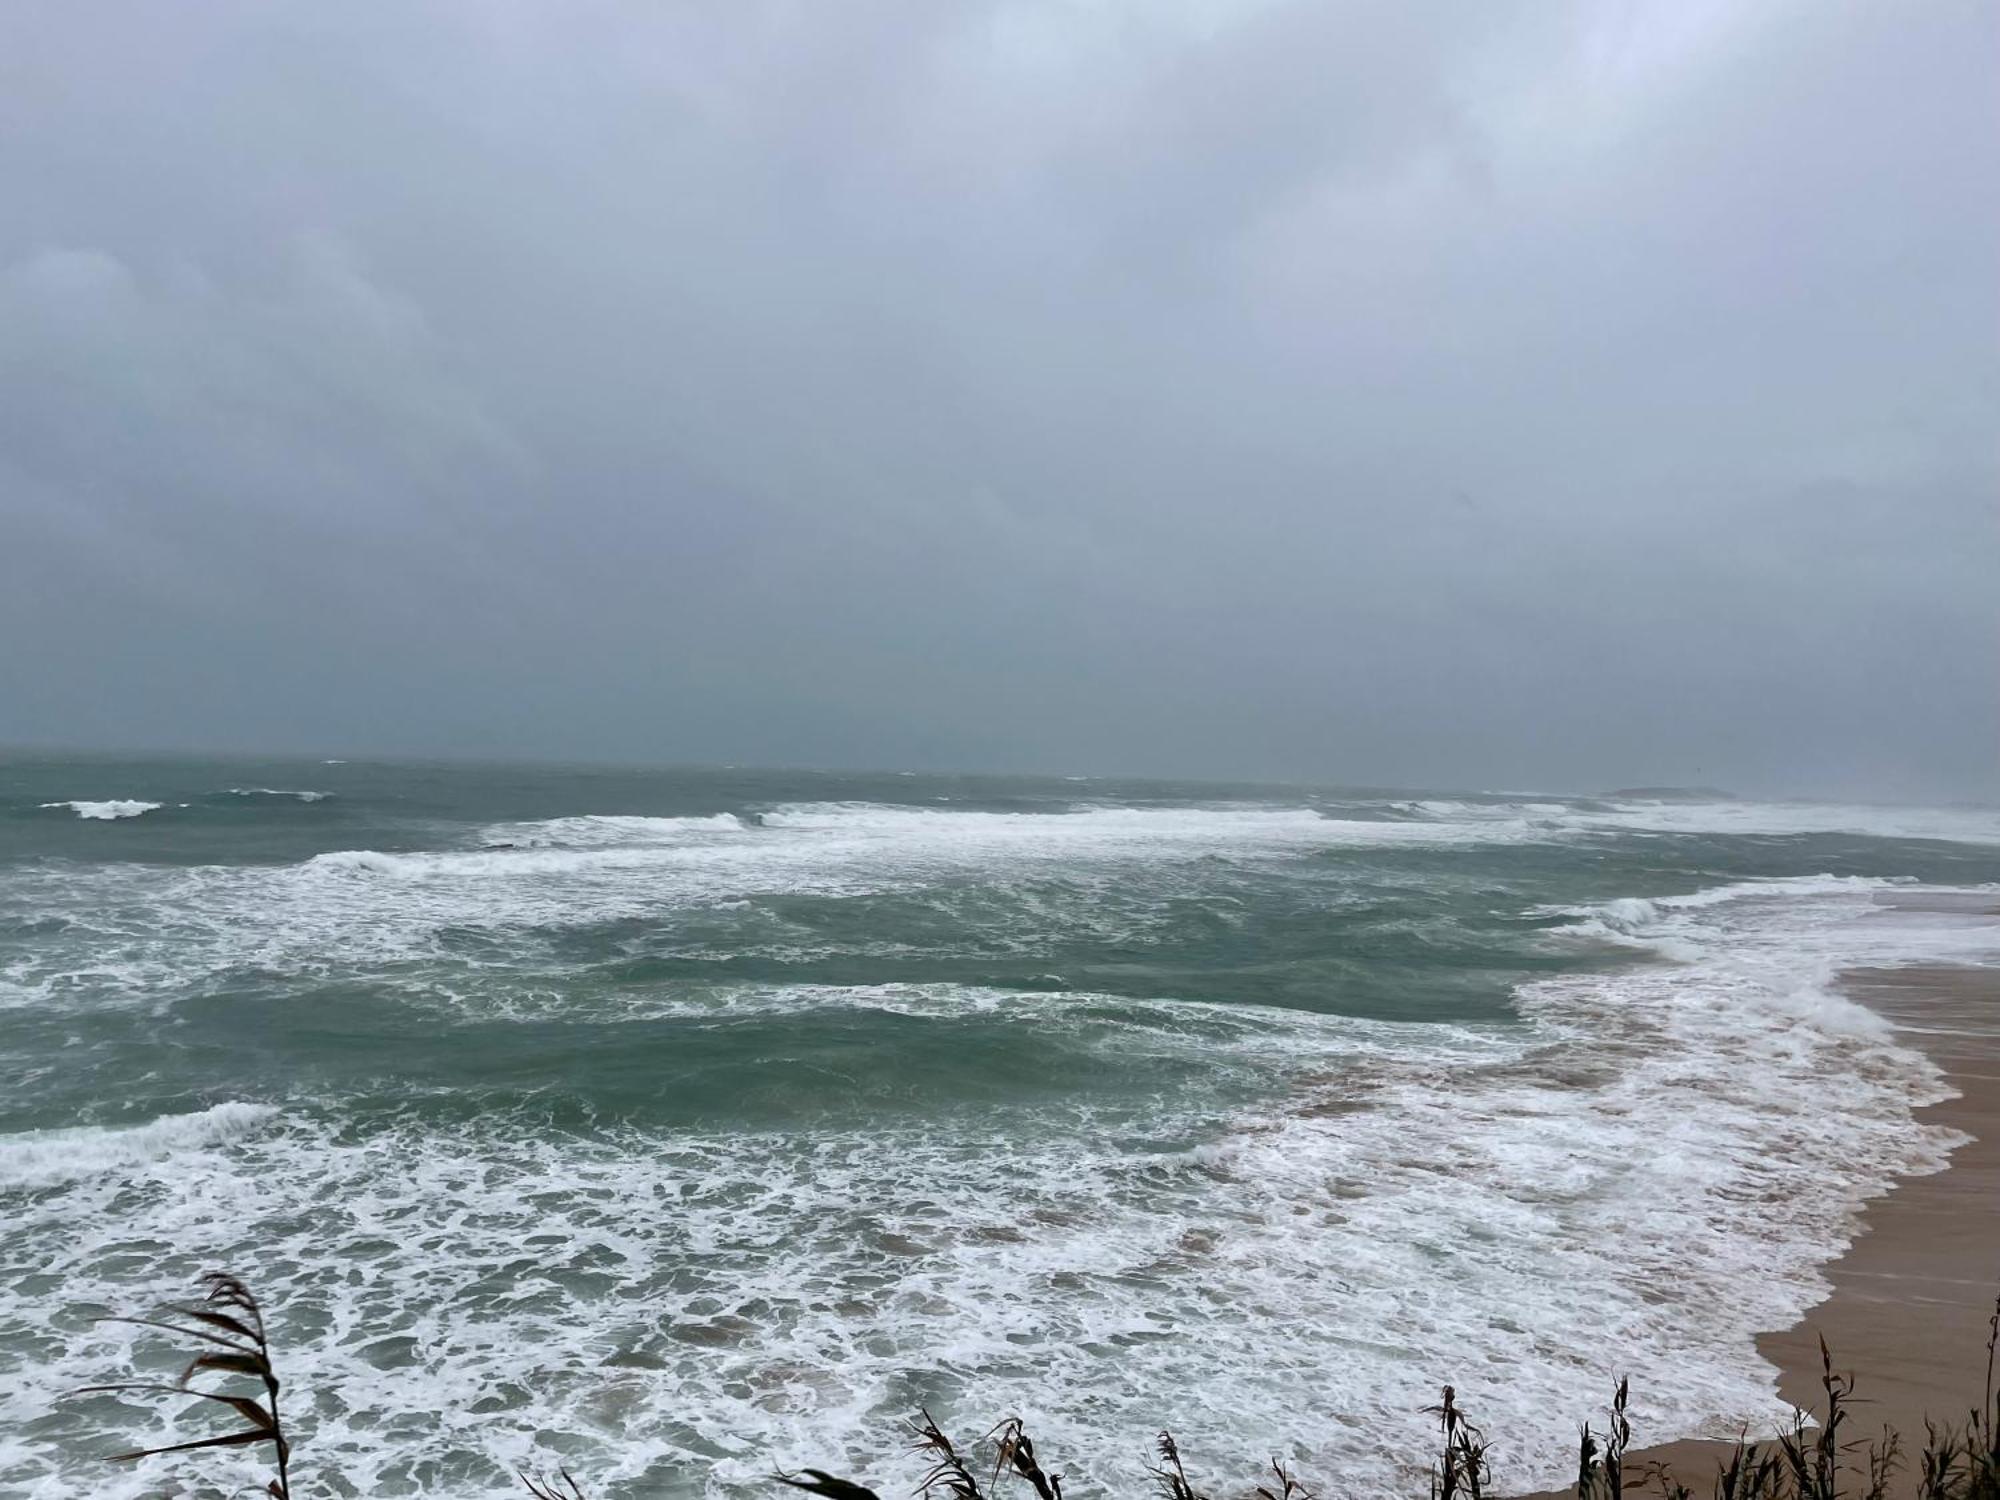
(1569,395)
(1369,604)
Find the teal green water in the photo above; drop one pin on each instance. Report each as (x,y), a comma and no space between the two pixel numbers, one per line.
(678,1123)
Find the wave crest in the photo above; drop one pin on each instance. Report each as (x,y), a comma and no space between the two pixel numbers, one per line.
(105,811)
(43,1158)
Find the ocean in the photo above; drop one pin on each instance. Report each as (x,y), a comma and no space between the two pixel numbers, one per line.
(681,1125)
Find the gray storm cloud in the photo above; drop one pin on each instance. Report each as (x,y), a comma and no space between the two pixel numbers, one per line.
(1550,395)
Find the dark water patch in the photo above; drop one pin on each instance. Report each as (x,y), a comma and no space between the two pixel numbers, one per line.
(773,1058)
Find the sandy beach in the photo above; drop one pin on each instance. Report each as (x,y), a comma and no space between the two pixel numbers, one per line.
(1912,1297)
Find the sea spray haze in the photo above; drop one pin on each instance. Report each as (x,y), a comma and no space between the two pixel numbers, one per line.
(671,1126)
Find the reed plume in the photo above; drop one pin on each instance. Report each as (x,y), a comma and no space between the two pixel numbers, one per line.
(231,1324)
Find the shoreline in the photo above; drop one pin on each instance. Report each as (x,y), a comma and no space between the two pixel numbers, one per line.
(1912,1294)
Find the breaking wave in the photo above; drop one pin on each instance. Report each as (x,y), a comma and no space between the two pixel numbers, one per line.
(105,811)
(42,1158)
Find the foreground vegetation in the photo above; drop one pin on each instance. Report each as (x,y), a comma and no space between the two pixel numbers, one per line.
(1816,1459)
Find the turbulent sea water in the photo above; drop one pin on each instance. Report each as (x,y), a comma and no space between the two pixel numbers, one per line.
(676,1126)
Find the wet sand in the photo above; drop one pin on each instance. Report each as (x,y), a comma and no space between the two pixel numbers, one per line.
(1912,1296)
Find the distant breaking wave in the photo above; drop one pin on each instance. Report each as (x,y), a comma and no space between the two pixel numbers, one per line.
(129,808)
(271,791)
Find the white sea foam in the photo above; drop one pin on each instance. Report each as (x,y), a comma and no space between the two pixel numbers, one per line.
(1111,832)
(566,872)
(1965,825)
(576,870)
(1636,1178)
(269,791)
(611,830)
(1086,829)
(1453,809)
(149,932)
(105,811)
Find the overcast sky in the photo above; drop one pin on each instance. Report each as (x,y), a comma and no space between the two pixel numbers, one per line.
(1507,395)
